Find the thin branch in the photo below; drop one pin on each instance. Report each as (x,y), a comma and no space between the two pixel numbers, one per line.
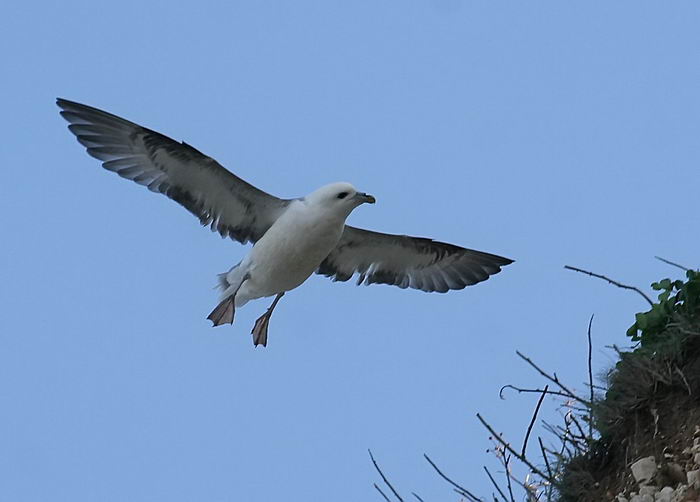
(506,460)
(534,391)
(582,435)
(495,484)
(563,435)
(416,495)
(668,262)
(553,429)
(386,481)
(463,491)
(544,456)
(383,494)
(552,452)
(523,459)
(567,434)
(590,378)
(534,417)
(567,450)
(553,379)
(614,283)
(461,494)
(576,408)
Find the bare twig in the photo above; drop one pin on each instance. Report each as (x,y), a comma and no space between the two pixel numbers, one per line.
(534,417)
(571,418)
(558,455)
(534,391)
(380,491)
(523,459)
(590,379)
(582,435)
(566,437)
(546,463)
(577,408)
(386,481)
(463,491)
(506,461)
(668,262)
(579,441)
(554,379)
(614,283)
(495,484)
(544,456)
(568,451)
(554,429)
(417,497)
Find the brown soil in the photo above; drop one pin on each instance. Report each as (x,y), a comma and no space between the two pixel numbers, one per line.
(666,433)
(652,409)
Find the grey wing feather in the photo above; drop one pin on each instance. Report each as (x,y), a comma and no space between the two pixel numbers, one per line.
(220,199)
(407,262)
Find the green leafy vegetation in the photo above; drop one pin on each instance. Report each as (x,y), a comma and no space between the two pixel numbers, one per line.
(677,298)
(649,404)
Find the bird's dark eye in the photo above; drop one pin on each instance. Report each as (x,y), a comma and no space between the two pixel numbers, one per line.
(342,195)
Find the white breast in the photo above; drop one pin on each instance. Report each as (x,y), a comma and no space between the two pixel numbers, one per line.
(291,250)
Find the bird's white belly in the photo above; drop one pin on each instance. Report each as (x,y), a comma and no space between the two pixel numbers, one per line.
(289,252)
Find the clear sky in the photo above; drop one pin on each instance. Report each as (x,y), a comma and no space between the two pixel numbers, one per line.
(549,132)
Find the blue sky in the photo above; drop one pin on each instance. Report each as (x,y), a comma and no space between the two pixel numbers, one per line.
(553,133)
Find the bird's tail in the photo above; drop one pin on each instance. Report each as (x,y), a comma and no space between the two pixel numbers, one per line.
(224,282)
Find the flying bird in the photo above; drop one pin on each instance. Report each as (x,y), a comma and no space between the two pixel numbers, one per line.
(293,238)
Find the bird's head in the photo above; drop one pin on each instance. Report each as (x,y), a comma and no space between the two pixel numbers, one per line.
(339,197)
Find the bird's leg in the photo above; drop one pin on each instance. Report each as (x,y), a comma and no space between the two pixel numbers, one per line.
(223,313)
(260,329)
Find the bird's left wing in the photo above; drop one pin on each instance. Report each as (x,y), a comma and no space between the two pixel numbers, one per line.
(407,262)
(216,196)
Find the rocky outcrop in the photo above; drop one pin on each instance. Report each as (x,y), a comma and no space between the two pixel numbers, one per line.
(673,478)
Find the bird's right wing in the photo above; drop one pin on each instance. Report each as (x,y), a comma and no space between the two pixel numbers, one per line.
(216,196)
(407,262)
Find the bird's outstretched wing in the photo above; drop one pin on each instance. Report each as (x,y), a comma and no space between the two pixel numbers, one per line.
(216,196)
(407,262)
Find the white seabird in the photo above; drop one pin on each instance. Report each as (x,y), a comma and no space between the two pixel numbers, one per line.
(293,238)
